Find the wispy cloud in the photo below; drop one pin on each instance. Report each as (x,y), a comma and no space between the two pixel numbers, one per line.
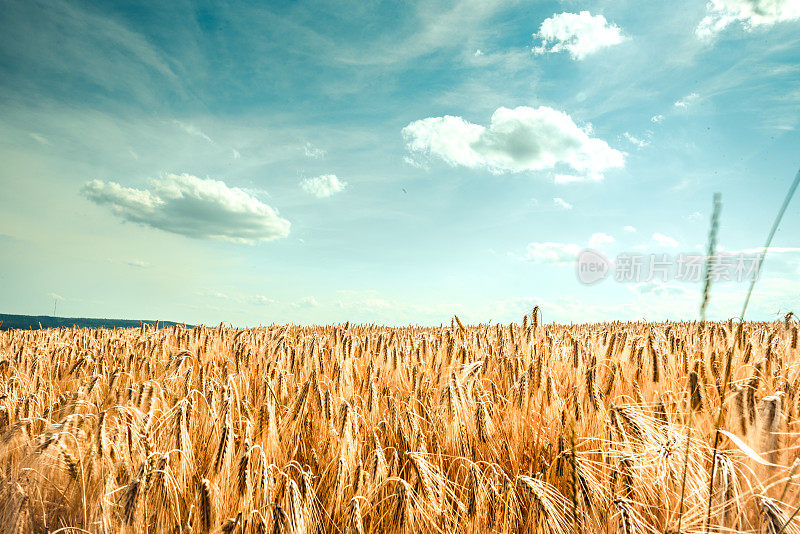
(561,179)
(561,204)
(78,45)
(262,300)
(638,142)
(659,288)
(42,140)
(687,101)
(694,216)
(599,239)
(313,152)
(191,129)
(138,264)
(551,252)
(665,240)
(306,302)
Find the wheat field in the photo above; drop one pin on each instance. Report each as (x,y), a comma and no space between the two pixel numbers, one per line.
(523,427)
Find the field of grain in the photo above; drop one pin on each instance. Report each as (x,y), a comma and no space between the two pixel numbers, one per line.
(521,427)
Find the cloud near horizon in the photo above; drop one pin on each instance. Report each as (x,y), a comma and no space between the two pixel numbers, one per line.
(516,140)
(599,239)
(550,252)
(665,240)
(561,204)
(186,205)
(580,34)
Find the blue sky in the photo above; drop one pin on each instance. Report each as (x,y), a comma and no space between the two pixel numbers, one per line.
(390,162)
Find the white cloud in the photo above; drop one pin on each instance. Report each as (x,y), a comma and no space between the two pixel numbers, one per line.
(659,288)
(306,302)
(750,13)
(657,118)
(478,53)
(561,179)
(39,138)
(694,216)
(138,264)
(516,140)
(239,299)
(771,251)
(323,186)
(55,296)
(194,207)
(214,294)
(550,252)
(364,301)
(641,143)
(236,154)
(191,129)
(664,240)
(560,203)
(629,229)
(414,163)
(599,239)
(313,152)
(687,101)
(579,34)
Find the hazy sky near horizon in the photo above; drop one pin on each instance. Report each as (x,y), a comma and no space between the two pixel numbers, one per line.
(258,162)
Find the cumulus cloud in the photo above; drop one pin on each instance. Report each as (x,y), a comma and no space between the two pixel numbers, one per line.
(629,229)
(749,13)
(664,240)
(516,140)
(190,206)
(561,204)
(323,186)
(599,239)
(657,118)
(579,34)
(550,252)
